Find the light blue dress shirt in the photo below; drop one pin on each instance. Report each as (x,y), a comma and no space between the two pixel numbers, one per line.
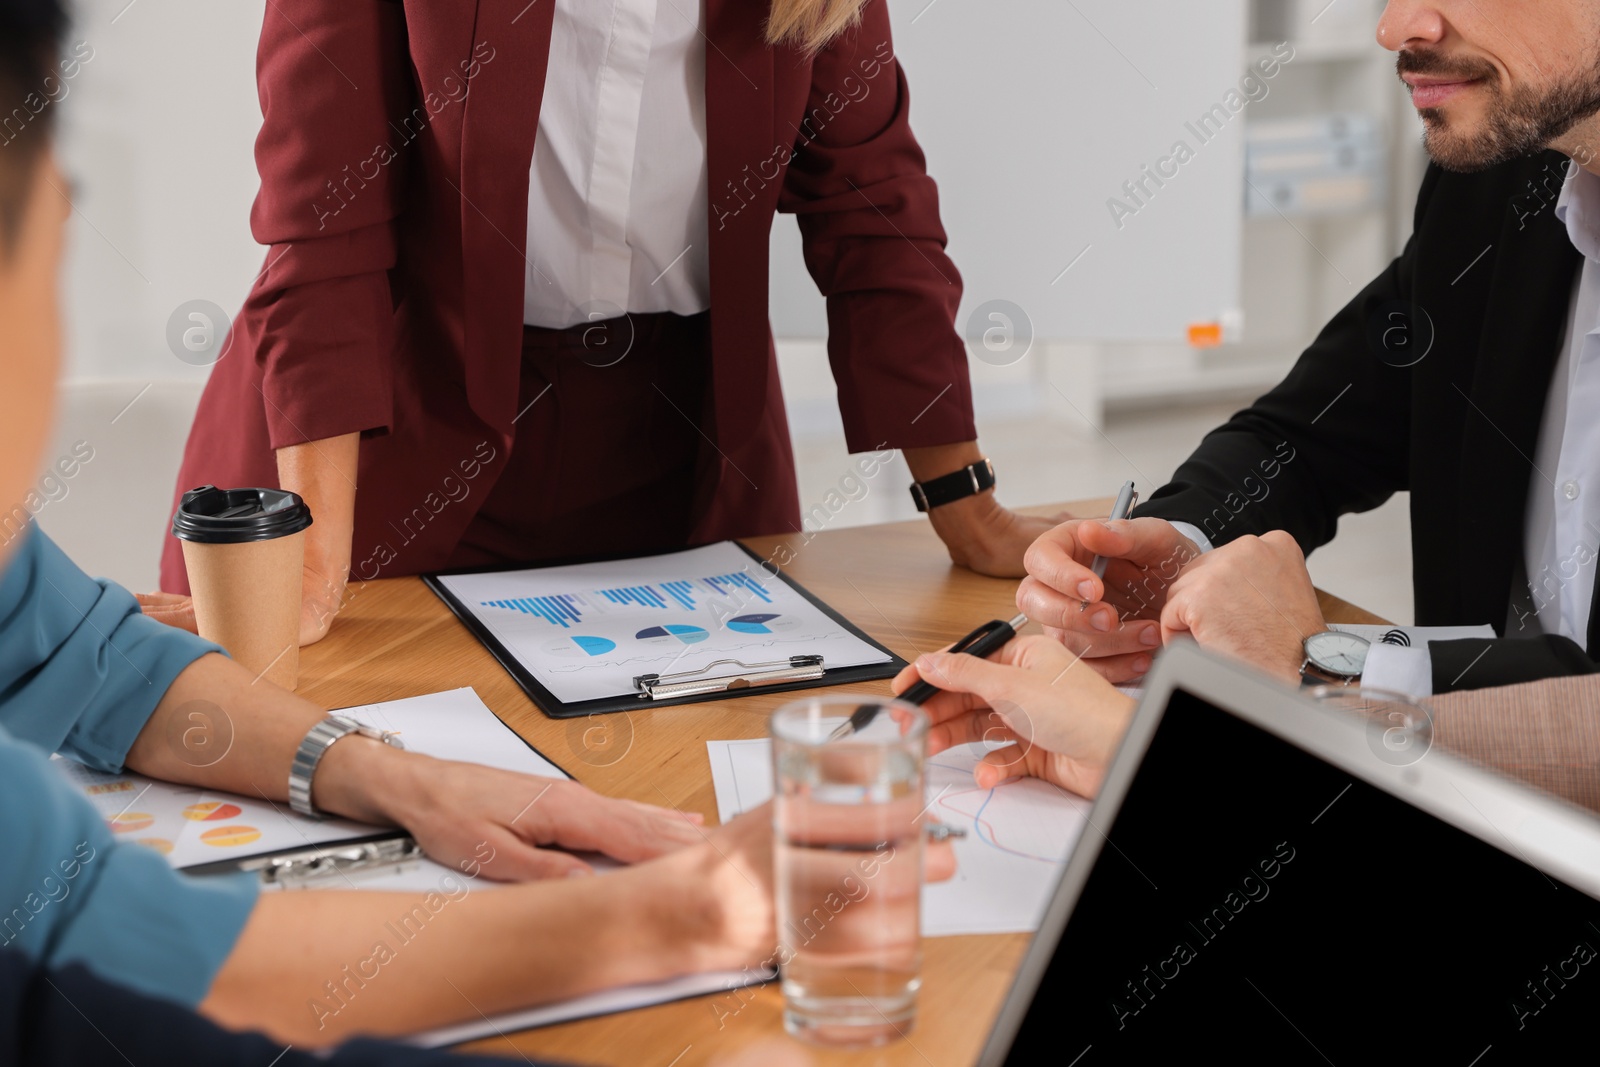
(81,671)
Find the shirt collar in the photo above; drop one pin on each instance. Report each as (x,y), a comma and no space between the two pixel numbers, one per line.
(1578,207)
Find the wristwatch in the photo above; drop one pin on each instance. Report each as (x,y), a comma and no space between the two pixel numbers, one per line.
(317,741)
(1333,658)
(947,489)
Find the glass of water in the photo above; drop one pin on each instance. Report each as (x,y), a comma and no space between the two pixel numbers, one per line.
(849,866)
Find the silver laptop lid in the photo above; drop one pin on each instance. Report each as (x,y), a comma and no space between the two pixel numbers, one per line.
(1260,875)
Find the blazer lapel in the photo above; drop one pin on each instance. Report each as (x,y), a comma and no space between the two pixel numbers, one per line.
(498,129)
(1523,327)
(739,137)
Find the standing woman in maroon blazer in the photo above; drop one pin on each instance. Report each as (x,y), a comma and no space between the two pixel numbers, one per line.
(516,282)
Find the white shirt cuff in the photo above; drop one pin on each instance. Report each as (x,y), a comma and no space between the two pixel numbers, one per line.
(1399,670)
(1193,533)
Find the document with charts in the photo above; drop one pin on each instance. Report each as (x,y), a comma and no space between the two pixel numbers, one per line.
(197,827)
(577,636)
(1018,835)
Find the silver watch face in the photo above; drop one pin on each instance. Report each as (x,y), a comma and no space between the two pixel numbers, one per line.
(1337,653)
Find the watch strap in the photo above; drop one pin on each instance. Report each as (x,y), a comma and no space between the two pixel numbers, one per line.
(947,489)
(315,745)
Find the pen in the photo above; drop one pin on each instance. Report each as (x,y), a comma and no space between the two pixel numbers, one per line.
(1127,497)
(981,642)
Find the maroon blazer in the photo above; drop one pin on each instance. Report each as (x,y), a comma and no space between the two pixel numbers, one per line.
(394,160)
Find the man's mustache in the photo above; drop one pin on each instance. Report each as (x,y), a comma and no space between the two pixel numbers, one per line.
(1437,64)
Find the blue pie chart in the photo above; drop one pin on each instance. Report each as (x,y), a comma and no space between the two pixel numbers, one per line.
(689,635)
(595,646)
(751,624)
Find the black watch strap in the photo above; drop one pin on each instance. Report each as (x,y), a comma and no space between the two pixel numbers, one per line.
(968,481)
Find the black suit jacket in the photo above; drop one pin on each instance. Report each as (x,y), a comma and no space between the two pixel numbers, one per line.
(1433,379)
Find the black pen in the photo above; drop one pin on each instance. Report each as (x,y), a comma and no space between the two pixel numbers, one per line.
(982,642)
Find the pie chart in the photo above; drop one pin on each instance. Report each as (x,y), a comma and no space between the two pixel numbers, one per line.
(129,821)
(689,635)
(752,624)
(580,645)
(160,844)
(212,811)
(231,836)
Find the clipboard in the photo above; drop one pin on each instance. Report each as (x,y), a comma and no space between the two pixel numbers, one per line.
(731,676)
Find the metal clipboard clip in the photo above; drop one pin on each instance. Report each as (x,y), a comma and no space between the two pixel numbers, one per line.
(750,675)
(293,868)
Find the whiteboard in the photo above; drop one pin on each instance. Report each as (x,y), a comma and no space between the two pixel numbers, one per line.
(1033,113)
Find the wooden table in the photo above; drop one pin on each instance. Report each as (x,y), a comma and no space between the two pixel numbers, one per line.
(396,639)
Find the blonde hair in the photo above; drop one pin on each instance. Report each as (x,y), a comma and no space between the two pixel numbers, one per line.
(810,24)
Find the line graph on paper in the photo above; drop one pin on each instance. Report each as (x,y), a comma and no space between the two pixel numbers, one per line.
(1018,835)
(1017,817)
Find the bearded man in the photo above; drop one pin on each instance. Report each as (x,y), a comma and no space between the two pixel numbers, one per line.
(1467,373)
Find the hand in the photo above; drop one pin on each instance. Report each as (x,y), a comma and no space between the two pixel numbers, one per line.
(322,593)
(983,536)
(481,820)
(1118,632)
(1064,722)
(1251,599)
(170,608)
(324,577)
(324,474)
(734,872)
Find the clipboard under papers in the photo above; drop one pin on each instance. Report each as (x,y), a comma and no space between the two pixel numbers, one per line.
(653,631)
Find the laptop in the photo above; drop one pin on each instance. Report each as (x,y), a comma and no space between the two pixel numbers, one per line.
(1262,877)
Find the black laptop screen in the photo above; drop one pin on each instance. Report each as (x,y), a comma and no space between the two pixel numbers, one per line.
(1254,900)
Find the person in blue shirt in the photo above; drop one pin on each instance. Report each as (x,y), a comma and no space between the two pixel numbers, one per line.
(83,673)
(43,1014)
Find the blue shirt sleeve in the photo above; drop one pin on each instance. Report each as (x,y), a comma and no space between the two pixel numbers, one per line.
(81,668)
(71,893)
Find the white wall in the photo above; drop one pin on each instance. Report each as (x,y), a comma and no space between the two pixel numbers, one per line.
(157,136)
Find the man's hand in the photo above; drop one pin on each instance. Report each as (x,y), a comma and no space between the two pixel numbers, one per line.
(1118,632)
(1063,721)
(1251,599)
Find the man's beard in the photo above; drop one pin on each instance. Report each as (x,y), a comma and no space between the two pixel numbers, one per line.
(1516,123)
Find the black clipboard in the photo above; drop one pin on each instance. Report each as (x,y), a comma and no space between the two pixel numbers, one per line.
(556,708)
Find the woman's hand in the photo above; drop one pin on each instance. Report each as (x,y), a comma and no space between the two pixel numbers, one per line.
(323,473)
(980,534)
(986,537)
(1063,721)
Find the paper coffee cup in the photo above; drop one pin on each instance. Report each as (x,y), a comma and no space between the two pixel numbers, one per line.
(245,551)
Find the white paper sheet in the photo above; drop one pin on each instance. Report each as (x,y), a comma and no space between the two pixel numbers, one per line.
(194,826)
(1018,835)
(586,631)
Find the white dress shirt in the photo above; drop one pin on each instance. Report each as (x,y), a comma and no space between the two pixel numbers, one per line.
(617,216)
(1562,527)
(1553,591)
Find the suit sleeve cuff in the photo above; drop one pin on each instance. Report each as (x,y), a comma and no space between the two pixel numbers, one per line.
(1192,532)
(1399,669)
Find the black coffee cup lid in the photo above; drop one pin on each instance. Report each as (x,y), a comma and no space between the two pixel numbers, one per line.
(213,516)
